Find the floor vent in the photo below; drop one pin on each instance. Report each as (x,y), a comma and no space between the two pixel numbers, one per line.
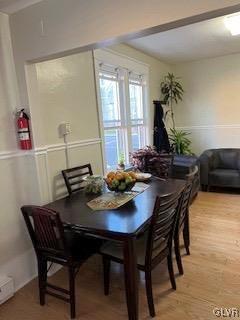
(6,288)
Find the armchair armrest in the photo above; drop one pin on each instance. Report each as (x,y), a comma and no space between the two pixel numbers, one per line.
(206,165)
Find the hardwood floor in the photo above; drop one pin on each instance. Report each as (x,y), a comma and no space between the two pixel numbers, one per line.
(211,279)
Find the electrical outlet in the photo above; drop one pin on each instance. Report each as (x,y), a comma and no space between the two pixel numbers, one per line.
(64,129)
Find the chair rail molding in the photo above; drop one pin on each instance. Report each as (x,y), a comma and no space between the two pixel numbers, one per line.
(8,154)
(48,148)
(209,127)
(45,150)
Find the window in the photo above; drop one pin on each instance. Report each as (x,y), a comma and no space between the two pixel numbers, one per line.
(122,95)
(111,117)
(137,124)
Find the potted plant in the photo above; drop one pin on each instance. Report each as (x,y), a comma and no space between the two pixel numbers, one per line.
(121,162)
(172,92)
(180,142)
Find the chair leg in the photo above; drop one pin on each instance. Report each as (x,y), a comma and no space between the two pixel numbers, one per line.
(171,271)
(148,283)
(186,235)
(71,272)
(106,274)
(42,279)
(177,254)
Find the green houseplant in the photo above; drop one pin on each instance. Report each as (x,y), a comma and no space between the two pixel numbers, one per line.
(172,92)
(121,162)
(180,142)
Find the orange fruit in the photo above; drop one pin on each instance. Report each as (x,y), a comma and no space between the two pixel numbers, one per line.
(119,176)
(132,174)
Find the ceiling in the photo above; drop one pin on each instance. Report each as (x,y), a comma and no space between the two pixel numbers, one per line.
(193,42)
(11,6)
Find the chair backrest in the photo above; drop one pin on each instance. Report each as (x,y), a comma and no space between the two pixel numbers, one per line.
(46,230)
(73,177)
(186,196)
(162,226)
(227,158)
(161,166)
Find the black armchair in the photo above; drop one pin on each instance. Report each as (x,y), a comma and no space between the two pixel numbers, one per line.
(220,168)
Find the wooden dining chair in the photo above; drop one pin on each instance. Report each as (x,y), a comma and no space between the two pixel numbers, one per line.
(73,177)
(55,244)
(151,248)
(183,218)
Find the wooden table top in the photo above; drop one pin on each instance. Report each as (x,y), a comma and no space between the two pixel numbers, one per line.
(126,220)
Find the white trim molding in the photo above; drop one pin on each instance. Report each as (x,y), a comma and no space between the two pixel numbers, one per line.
(15,153)
(48,148)
(70,145)
(114,58)
(210,127)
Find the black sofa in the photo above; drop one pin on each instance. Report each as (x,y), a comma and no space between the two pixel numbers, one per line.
(220,168)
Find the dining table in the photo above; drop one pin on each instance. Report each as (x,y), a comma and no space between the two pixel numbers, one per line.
(123,224)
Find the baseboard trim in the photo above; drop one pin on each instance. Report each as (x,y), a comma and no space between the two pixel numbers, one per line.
(23,269)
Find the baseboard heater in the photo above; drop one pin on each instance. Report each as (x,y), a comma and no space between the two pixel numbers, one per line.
(6,288)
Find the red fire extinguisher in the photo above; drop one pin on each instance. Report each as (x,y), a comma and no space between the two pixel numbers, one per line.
(24,131)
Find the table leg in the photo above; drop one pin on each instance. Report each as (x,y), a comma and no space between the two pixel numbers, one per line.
(131,278)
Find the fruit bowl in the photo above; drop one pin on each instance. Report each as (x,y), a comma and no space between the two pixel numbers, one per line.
(120,181)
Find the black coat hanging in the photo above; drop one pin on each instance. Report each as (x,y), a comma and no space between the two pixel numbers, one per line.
(160,136)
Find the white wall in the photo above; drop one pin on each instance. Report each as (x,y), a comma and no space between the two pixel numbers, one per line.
(63,90)
(18,184)
(210,108)
(67,93)
(8,88)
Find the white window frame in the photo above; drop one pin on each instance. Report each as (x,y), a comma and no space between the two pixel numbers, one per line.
(107,60)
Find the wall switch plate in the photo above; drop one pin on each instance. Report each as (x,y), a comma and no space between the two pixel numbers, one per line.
(64,129)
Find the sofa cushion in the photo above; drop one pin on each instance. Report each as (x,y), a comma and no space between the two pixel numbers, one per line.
(224,177)
(228,159)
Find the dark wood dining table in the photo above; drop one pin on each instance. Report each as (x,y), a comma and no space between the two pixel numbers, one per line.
(122,224)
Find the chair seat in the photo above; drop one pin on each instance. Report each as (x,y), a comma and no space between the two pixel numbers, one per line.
(224,177)
(81,246)
(115,249)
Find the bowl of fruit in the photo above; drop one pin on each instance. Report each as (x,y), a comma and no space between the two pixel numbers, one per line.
(120,181)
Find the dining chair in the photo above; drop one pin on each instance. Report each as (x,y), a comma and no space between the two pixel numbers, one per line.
(161,166)
(55,244)
(151,248)
(73,177)
(183,219)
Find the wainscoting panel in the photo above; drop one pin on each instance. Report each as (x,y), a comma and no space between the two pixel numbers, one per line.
(34,177)
(18,186)
(52,159)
